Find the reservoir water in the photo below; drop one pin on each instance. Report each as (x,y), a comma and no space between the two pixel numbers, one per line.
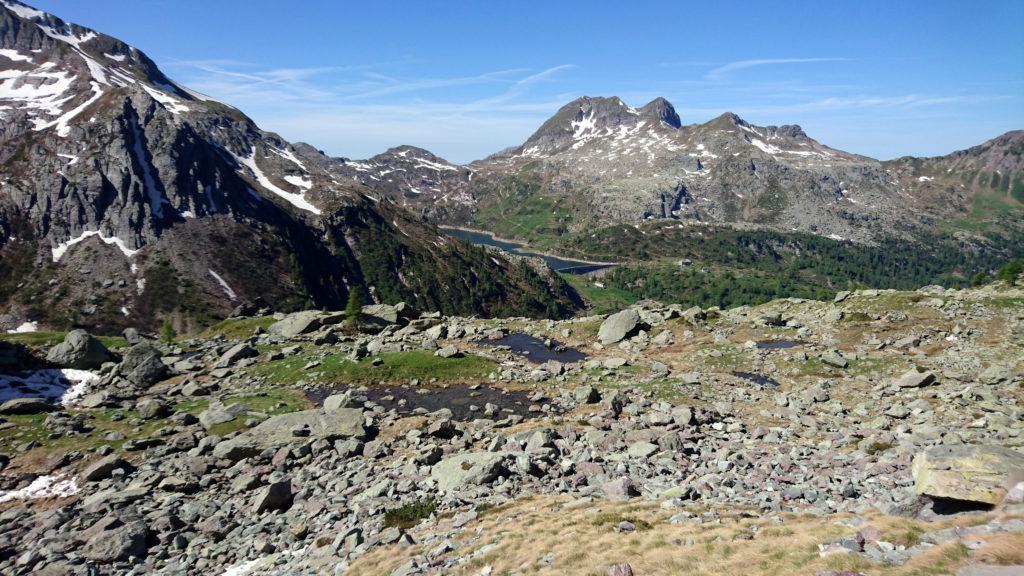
(559,264)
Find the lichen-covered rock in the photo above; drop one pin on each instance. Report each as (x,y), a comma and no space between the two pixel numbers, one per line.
(971,473)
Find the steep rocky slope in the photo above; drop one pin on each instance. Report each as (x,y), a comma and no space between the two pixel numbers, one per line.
(123,194)
(598,161)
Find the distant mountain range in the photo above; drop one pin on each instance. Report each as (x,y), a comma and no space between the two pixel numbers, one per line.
(125,198)
(598,162)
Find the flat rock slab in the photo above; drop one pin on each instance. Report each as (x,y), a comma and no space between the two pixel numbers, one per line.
(972,473)
(278,431)
(474,468)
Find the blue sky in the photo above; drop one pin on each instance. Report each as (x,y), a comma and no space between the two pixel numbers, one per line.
(466,79)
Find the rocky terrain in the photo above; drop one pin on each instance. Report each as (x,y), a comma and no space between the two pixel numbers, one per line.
(124,195)
(598,162)
(879,433)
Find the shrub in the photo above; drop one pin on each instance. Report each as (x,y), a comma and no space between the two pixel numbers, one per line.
(408,515)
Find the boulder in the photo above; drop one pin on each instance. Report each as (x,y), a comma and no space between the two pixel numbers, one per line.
(131,335)
(26,406)
(618,326)
(620,570)
(118,543)
(619,489)
(151,408)
(218,413)
(338,401)
(236,353)
(474,468)
(382,313)
(973,473)
(276,496)
(142,366)
(304,322)
(448,352)
(104,468)
(835,359)
(237,448)
(80,351)
(586,394)
(915,378)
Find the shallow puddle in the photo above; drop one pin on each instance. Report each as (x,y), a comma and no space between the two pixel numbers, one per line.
(756,378)
(776,344)
(533,349)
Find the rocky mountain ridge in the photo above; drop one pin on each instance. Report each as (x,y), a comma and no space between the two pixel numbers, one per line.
(598,161)
(171,204)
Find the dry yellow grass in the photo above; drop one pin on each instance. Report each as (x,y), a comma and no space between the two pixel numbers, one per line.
(583,542)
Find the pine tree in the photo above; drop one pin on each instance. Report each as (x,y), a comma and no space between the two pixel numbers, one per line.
(354,307)
(167,333)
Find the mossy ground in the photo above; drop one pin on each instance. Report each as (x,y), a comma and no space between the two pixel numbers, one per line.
(46,339)
(30,428)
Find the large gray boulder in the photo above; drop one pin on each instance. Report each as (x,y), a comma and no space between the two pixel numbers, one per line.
(472,469)
(142,366)
(303,322)
(80,351)
(618,326)
(973,473)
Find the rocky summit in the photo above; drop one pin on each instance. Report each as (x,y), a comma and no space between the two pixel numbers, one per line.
(881,431)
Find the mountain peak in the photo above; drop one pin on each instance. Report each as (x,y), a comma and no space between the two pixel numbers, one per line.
(588,117)
(662,110)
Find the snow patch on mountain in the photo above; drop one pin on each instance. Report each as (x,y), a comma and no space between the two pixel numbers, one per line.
(224,285)
(59,250)
(297,200)
(173,105)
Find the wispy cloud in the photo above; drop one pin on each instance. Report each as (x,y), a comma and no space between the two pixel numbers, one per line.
(359,111)
(722,72)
